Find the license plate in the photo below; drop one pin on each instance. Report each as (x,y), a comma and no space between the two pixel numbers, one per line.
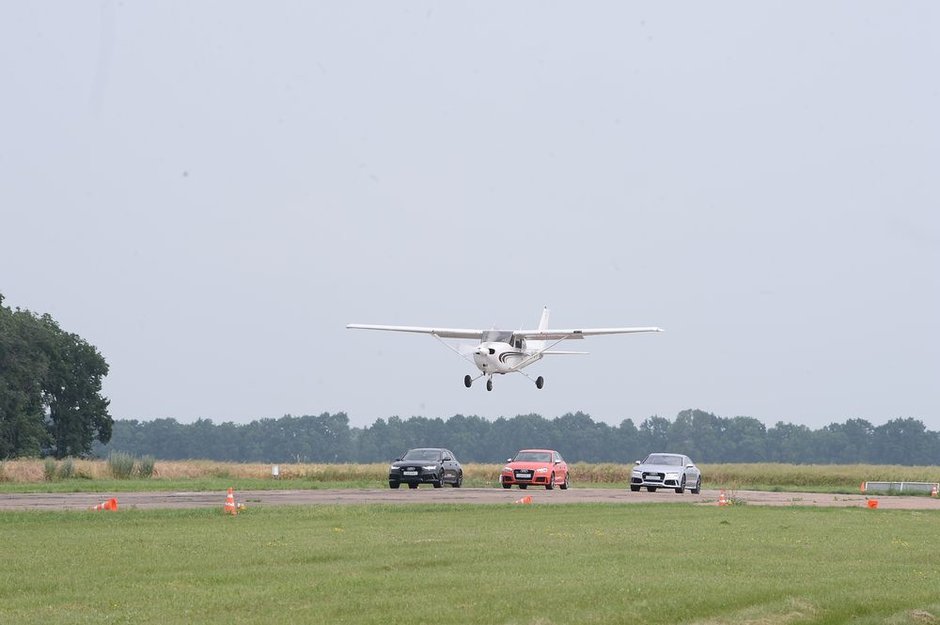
(409,472)
(524,476)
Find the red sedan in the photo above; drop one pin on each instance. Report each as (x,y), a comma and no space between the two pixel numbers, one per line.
(541,467)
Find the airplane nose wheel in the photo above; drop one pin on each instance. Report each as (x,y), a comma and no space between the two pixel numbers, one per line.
(539,382)
(489,384)
(467,381)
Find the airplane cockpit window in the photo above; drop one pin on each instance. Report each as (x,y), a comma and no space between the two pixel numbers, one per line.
(497,336)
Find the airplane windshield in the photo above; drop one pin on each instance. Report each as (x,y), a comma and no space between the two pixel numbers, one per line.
(497,336)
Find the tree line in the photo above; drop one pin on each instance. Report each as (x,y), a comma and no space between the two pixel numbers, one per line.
(705,437)
(50,388)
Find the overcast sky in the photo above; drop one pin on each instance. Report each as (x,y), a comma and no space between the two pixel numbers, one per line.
(209,192)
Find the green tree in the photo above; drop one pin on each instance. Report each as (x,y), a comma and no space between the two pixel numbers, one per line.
(78,413)
(744,439)
(22,369)
(789,443)
(905,442)
(654,434)
(50,388)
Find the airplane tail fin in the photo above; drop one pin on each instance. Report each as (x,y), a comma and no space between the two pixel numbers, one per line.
(543,325)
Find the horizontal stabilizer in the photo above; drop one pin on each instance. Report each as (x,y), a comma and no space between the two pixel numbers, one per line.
(564,352)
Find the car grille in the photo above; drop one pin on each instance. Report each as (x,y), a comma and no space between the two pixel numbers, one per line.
(523,474)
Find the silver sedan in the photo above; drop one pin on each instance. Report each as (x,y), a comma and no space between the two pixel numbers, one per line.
(663,470)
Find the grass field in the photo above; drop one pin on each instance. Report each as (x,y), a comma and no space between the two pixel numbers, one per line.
(497,564)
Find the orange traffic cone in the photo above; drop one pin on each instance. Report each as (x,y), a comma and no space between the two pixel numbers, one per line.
(526,499)
(229,507)
(872,503)
(933,492)
(722,500)
(862,487)
(110,504)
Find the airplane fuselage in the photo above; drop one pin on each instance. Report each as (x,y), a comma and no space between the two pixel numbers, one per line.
(493,357)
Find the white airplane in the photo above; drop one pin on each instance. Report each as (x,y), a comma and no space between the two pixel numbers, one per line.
(506,351)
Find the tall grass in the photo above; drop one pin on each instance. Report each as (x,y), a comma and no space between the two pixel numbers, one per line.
(67,469)
(145,467)
(765,476)
(121,465)
(48,469)
(814,475)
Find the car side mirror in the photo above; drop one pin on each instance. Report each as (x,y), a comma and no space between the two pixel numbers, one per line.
(448,459)
(636,462)
(397,460)
(508,459)
(690,466)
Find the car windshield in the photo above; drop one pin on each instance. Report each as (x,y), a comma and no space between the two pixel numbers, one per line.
(668,460)
(422,455)
(533,456)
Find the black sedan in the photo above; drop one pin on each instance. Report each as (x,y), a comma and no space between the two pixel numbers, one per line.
(428,465)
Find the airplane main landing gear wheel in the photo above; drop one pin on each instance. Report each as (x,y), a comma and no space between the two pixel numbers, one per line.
(489,385)
(539,382)
(467,381)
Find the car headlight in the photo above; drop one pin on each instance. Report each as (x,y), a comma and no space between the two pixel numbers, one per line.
(542,470)
(672,476)
(430,467)
(507,469)
(392,467)
(636,472)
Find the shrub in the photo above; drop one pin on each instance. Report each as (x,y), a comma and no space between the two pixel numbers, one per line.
(145,467)
(121,465)
(67,470)
(48,469)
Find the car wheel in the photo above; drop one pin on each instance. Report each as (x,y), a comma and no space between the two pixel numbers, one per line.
(634,489)
(459,481)
(439,483)
(681,488)
(551,483)
(566,484)
(412,485)
(695,490)
(652,489)
(507,485)
(392,484)
(523,486)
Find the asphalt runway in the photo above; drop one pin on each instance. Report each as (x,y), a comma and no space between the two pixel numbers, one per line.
(446,495)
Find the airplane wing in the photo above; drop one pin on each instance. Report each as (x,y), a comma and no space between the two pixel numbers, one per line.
(559,335)
(446,333)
